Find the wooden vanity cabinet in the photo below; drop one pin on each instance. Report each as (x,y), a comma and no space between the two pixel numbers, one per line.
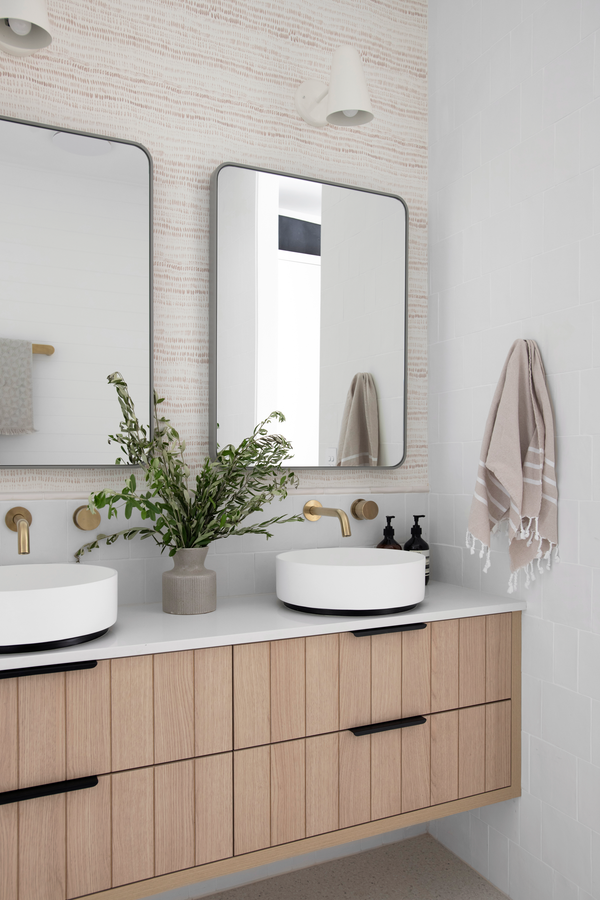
(214,760)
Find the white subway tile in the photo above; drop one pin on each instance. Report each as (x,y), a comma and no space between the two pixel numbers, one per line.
(565,656)
(569,80)
(264,572)
(590,407)
(555,280)
(153,570)
(501,125)
(532,165)
(564,889)
(446,564)
(532,98)
(589,664)
(564,392)
(529,878)
(445,160)
(445,468)
(498,859)
(455,417)
(588,786)
(596,601)
(567,593)
(504,817)
(556,27)
(568,212)
(590,17)
(538,647)
(566,720)
(472,87)
(590,269)
(532,226)
(567,340)
(471,144)
(553,777)
(498,20)
(567,148)
(589,532)
(447,263)
(472,252)
(530,812)
(532,705)
(479,846)
(500,183)
(567,846)
(574,467)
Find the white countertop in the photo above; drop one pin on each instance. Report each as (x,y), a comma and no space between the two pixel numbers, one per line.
(144,628)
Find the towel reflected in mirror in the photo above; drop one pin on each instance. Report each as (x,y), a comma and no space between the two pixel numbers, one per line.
(359,433)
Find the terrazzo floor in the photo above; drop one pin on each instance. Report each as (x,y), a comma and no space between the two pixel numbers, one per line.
(419,868)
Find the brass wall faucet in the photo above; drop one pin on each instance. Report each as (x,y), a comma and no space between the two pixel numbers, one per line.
(313,511)
(19,519)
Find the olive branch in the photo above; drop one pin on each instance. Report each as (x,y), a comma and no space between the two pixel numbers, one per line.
(184,512)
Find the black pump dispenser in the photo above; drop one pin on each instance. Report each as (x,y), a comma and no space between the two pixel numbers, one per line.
(418,545)
(388,542)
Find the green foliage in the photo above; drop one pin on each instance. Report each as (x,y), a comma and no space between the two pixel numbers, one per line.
(184,512)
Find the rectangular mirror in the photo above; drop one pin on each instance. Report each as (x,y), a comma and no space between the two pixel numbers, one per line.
(75,292)
(308,316)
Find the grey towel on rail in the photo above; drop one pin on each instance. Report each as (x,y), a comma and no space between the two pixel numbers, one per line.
(16,387)
(359,435)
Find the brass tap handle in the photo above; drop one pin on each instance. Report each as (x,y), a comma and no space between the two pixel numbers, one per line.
(86,520)
(19,519)
(364,509)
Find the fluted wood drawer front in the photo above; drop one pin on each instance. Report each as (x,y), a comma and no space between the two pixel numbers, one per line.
(131,826)
(285,792)
(287,689)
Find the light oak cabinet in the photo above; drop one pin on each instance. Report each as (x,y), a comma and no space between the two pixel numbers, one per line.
(181,766)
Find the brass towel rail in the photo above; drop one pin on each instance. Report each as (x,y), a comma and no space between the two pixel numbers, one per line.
(43,349)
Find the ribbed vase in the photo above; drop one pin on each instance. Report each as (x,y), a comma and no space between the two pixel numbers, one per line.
(189,588)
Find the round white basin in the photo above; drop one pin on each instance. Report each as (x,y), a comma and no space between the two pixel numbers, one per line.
(350,581)
(53,605)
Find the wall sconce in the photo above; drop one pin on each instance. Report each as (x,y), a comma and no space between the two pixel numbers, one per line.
(346,100)
(24,26)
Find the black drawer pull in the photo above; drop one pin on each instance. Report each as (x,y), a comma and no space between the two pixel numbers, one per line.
(388,726)
(48,670)
(390,629)
(47,790)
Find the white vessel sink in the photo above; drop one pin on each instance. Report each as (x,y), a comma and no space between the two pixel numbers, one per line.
(54,605)
(350,581)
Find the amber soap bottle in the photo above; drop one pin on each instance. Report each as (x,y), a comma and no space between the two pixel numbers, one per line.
(388,542)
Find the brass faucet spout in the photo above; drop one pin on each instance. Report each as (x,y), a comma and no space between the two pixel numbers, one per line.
(19,519)
(313,512)
(22,535)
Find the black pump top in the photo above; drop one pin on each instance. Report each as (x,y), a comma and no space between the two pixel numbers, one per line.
(416,529)
(388,531)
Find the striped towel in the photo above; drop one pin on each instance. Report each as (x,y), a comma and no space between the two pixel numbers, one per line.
(516,480)
(358,444)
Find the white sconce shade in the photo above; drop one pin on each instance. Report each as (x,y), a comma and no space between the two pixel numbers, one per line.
(24,26)
(346,102)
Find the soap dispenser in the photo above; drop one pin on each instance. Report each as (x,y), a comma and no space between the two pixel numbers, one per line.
(388,542)
(418,545)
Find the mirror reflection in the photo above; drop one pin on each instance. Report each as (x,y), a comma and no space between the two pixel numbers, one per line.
(309,304)
(75,249)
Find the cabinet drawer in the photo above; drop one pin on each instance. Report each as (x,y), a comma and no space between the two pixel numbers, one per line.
(290,689)
(121,714)
(296,789)
(131,826)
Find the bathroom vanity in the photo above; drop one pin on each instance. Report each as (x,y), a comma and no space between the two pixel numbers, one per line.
(216,743)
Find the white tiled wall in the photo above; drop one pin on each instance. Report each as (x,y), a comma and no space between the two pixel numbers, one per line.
(244,565)
(515,252)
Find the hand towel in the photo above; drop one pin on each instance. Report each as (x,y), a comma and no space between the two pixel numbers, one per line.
(359,434)
(516,480)
(16,383)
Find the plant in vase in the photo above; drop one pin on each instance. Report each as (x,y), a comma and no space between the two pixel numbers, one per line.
(186,513)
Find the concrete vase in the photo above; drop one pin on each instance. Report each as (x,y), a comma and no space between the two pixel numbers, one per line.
(189,588)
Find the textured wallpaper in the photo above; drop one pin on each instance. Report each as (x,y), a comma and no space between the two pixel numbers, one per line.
(201,83)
